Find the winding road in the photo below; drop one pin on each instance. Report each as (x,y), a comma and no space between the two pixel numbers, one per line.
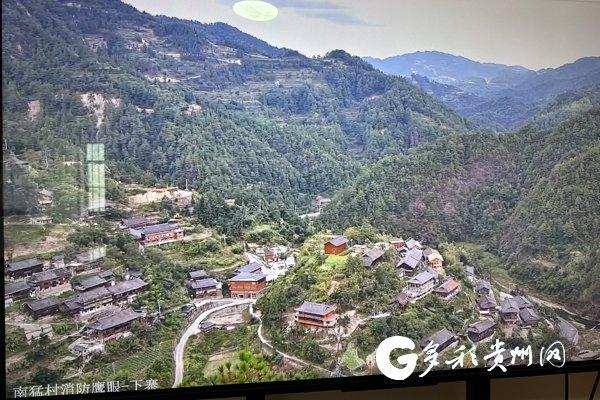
(194,329)
(264,341)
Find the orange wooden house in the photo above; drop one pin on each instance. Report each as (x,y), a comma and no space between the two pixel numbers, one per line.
(336,245)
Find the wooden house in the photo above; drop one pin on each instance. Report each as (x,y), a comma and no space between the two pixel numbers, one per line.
(487,305)
(443,338)
(115,322)
(88,261)
(208,288)
(87,302)
(398,243)
(420,285)
(16,291)
(154,235)
(250,268)
(46,306)
(247,286)
(126,291)
(336,245)
(413,244)
(372,257)
(21,269)
(51,280)
(410,263)
(509,311)
(316,315)
(483,287)
(528,317)
(135,222)
(103,279)
(448,289)
(481,330)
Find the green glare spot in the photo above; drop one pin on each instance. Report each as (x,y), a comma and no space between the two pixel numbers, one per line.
(255,10)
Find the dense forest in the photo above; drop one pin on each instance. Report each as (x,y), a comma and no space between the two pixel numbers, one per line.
(100,72)
(530,196)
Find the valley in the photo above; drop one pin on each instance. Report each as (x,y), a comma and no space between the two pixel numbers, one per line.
(188,205)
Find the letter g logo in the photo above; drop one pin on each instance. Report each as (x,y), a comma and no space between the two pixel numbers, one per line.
(382,357)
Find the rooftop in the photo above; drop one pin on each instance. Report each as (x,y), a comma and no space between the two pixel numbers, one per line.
(135,221)
(440,337)
(248,277)
(449,286)
(338,241)
(481,326)
(92,282)
(116,319)
(422,278)
(204,283)
(509,306)
(250,268)
(16,287)
(49,275)
(156,228)
(315,308)
(44,303)
(24,264)
(198,274)
(127,286)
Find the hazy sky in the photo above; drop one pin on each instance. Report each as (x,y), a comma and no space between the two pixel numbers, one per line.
(532,33)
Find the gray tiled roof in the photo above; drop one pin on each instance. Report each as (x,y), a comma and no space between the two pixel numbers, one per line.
(156,228)
(487,301)
(315,308)
(49,275)
(482,285)
(244,276)
(198,274)
(528,315)
(135,221)
(509,306)
(116,319)
(523,302)
(127,286)
(41,304)
(411,243)
(371,256)
(250,268)
(89,296)
(16,287)
(422,278)
(24,264)
(92,282)
(338,241)
(440,337)
(204,283)
(481,326)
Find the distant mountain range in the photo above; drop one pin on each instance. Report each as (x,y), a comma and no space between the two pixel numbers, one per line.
(495,96)
(475,77)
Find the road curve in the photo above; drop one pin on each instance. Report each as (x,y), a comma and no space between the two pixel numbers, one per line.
(264,341)
(193,329)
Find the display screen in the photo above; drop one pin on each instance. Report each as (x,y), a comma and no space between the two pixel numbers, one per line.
(209,192)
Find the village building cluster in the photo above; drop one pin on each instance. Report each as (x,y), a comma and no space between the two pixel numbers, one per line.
(100,301)
(423,268)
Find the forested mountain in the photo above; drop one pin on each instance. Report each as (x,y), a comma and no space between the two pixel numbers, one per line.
(529,195)
(175,100)
(492,96)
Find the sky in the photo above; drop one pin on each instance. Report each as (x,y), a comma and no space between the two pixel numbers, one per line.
(532,33)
